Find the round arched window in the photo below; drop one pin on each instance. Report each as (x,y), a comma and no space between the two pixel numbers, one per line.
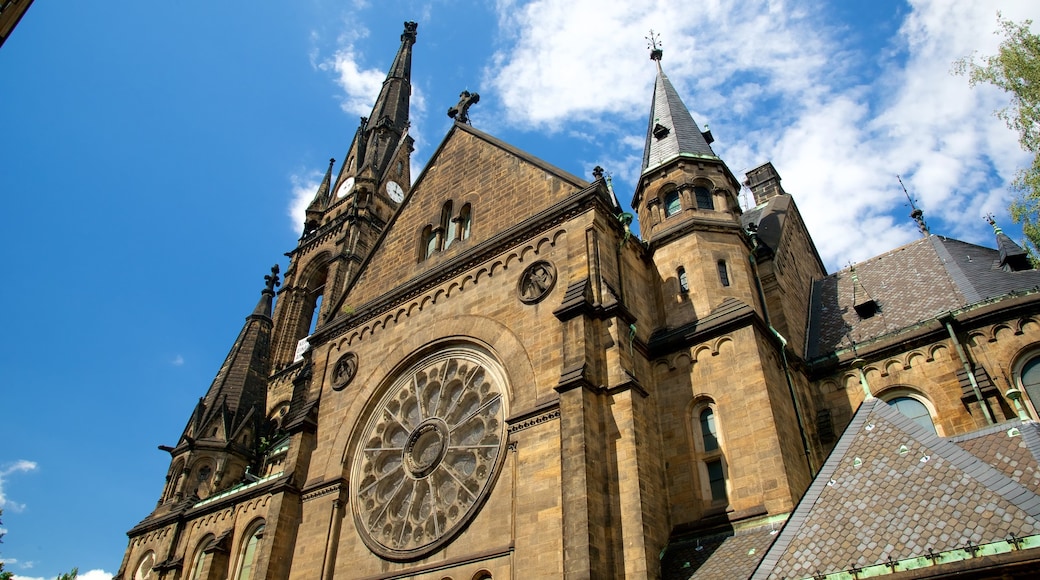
(915,410)
(1029,377)
(426,459)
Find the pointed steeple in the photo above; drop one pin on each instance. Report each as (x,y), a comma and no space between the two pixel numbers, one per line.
(323,194)
(389,119)
(236,399)
(382,137)
(671,131)
(1013,257)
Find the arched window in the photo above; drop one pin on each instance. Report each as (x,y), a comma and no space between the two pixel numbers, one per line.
(249,550)
(1029,380)
(723,272)
(448,225)
(710,464)
(684,282)
(671,203)
(314,289)
(144,567)
(703,196)
(914,409)
(202,556)
(465,222)
(709,435)
(429,242)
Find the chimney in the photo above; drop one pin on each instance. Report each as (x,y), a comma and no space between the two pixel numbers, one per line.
(764,182)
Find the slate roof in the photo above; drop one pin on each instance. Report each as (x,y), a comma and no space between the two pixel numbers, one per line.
(892,490)
(728,554)
(679,133)
(911,284)
(769,219)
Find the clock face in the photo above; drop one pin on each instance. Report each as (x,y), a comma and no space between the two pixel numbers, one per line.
(345,187)
(395,191)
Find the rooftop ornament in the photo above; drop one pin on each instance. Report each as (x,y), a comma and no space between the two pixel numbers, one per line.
(460,112)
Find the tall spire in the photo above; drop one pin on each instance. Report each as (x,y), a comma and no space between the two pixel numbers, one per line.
(323,197)
(671,131)
(240,384)
(388,122)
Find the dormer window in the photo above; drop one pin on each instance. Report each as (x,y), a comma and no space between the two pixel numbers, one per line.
(660,131)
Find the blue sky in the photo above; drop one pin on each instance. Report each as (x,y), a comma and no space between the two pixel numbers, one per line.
(152,156)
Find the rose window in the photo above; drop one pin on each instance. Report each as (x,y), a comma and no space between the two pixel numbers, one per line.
(429,452)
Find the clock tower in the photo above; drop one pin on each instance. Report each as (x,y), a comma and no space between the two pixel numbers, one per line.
(349,211)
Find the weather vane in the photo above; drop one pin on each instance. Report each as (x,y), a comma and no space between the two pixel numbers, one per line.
(654,44)
(917,215)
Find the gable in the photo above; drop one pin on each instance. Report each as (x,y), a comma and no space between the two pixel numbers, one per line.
(500,185)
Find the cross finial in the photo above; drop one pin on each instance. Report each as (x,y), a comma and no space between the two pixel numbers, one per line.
(272,279)
(654,44)
(989,219)
(460,112)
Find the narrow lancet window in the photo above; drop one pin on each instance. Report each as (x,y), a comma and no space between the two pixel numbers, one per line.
(723,273)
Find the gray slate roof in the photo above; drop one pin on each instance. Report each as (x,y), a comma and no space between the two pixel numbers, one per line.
(893,490)
(681,135)
(912,284)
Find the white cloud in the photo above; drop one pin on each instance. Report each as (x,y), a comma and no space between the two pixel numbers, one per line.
(97,574)
(177,361)
(304,188)
(20,466)
(779,83)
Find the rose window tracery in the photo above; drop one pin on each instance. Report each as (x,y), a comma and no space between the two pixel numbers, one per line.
(429,453)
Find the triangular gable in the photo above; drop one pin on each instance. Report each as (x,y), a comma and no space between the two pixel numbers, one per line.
(502,185)
(894,494)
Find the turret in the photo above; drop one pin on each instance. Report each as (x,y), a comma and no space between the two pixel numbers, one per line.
(220,440)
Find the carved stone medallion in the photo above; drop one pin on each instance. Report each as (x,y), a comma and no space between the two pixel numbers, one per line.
(429,453)
(344,371)
(536,282)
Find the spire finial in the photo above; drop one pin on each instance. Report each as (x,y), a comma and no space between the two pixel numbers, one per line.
(917,215)
(410,29)
(989,219)
(460,112)
(654,44)
(272,279)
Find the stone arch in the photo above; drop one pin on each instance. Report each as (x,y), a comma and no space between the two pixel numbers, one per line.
(683,359)
(891,366)
(697,352)
(913,358)
(721,342)
(543,245)
(1001,332)
(526,252)
(1028,324)
(938,352)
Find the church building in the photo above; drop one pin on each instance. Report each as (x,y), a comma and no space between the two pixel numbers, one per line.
(483,372)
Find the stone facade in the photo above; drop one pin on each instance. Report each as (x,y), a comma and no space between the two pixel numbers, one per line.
(486,374)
